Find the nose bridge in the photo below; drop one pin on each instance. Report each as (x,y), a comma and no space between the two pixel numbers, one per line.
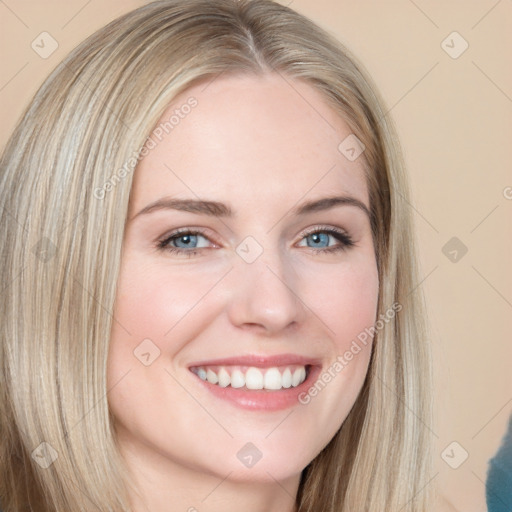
(263,289)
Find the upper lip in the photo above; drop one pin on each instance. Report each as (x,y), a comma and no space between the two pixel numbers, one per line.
(260,361)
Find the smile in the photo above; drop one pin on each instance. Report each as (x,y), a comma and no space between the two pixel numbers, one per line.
(257,382)
(252,378)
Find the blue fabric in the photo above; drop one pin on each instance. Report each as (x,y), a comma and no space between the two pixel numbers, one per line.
(499,476)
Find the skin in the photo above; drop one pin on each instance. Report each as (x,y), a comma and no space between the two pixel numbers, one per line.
(261,147)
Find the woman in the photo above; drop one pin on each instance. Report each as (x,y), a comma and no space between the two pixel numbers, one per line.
(211,297)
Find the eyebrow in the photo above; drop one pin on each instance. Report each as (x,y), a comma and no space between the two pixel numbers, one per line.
(217,209)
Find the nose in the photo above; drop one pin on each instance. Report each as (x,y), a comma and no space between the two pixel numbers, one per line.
(264,296)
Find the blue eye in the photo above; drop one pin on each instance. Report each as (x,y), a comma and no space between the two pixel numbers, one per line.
(187,242)
(184,242)
(318,240)
(327,240)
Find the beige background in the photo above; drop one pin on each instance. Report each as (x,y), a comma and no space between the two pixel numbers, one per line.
(454,116)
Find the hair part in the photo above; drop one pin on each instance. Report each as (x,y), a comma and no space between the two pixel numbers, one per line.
(61,248)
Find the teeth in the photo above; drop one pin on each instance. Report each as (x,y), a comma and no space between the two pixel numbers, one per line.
(237,379)
(224,378)
(273,379)
(211,377)
(253,378)
(287,378)
(298,376)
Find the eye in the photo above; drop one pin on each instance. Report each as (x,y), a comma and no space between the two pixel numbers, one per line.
(327,240)
(184,241)
(188,242)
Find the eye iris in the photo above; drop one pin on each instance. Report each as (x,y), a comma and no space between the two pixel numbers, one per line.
(318,239)
(186,241)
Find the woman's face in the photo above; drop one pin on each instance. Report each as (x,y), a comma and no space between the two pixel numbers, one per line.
(248,262)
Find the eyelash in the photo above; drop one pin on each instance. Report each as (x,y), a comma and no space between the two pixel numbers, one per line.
(343,237)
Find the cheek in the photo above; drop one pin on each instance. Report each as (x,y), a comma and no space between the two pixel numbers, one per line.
(347,306)
(345,298)
(353,304)
(152,302)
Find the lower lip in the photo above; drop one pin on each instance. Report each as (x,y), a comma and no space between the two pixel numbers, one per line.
(262,400)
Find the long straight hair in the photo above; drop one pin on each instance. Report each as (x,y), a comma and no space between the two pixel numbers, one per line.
(65,181)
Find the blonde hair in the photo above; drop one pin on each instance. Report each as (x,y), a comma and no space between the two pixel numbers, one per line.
(63,216)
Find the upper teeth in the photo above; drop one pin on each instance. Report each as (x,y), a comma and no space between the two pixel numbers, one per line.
(253,378)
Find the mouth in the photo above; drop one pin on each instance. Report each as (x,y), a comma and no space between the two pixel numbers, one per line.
(252,377)
(258,382)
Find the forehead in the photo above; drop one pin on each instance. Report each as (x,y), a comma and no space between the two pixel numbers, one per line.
(245,138)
